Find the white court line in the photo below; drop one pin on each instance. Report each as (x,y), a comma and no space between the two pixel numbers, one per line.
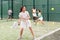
(39,38)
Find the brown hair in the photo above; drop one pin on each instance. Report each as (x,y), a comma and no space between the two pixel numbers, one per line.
(39,10)
(21,8)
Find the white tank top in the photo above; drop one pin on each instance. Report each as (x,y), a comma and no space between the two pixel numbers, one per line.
(34,14)
(34,10)
(24,15)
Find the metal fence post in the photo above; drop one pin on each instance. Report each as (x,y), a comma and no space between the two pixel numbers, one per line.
(33,3)
(22,2)
(1,11)
(47,10)
(12,7)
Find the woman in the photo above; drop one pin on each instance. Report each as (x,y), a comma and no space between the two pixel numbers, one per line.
(24,21)
(40,17)
(35,17)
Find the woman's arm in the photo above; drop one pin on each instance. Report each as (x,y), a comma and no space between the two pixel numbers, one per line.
(28,16)
(19,21)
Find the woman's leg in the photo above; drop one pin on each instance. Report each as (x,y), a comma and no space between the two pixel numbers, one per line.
(36,21)
(21,32)
(31,31)
(41,22)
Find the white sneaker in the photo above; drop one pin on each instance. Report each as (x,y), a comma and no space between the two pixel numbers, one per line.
(20,38)
(34,38)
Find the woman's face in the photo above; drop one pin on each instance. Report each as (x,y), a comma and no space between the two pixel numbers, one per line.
(24,9)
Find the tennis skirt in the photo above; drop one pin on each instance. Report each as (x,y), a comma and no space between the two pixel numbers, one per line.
(25,24)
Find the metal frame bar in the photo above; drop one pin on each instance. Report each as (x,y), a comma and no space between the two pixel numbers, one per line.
(47,10)
(33,3)
(12,7)
(1,10)
(22,2)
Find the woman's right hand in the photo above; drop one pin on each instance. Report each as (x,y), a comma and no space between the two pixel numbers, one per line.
(19,21)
